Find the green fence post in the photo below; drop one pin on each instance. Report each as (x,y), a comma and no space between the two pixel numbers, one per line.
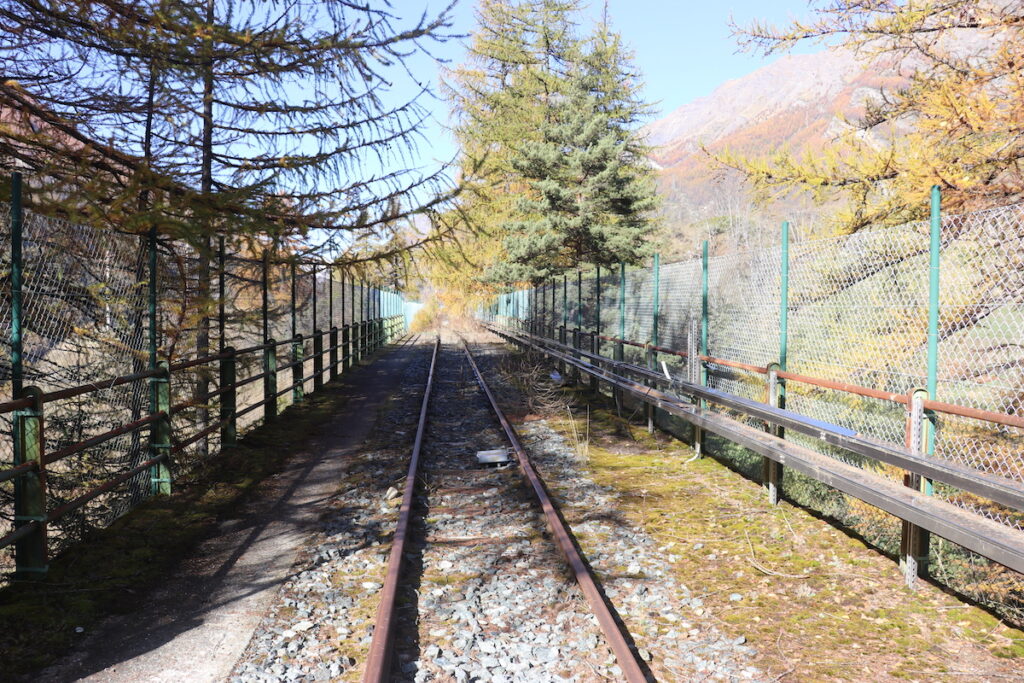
(620,350)
(772,470)
(294,303)
(346,351)
(318,360)
(30,487)
(160,431)
(152,300)
(298,361)
(577,342)
(228,399)
(652,355)
(563,334)
(698,433)
(333,341)
(270,380)
(221,294)
(595,332)
(554,310)
(915,541)
(265,293)
(933,320)
(378,330)
(17,273)
(361,343)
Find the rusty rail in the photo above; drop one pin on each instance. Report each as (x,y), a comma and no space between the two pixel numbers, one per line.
(378,663)
(632,670)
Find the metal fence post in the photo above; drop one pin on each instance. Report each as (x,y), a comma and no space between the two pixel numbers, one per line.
(914,540)
(563,332)
(152,301)
(265,293)
(577,342)
(698,433)
(361,343)
(221,294)
(17,274)
(30,487)
(772,470)
(345,327)
(298,361)
(270,380)
(333,341)
(294,303)
(935,234)
(318,360)
(652,355)
(160,431)
(554,310)
(228,399)
(620,349)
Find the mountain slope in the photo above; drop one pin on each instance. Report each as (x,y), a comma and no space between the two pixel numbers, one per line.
(798,102)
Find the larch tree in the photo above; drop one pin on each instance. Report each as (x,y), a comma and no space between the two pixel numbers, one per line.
(274,117)
(957,120)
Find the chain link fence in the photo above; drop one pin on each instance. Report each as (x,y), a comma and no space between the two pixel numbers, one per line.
(85,320)
(858,313)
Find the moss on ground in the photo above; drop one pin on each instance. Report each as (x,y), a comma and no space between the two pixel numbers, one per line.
(114,567)
(815,602)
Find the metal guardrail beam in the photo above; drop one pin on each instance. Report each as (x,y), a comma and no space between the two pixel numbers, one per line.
(983,536)
(990,486)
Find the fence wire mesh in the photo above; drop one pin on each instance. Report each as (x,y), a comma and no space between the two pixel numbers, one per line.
(858,313)
(86,317)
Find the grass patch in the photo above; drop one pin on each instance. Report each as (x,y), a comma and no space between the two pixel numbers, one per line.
(815,602)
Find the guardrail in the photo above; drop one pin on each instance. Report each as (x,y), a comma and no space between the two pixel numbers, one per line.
(919,511)
(345,347)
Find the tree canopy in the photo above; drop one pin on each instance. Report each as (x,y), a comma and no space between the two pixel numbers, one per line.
(546,116)
(246,117)
(955,121)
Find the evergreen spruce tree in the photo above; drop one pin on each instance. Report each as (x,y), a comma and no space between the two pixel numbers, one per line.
(547,120)
(591,189)
(520,55)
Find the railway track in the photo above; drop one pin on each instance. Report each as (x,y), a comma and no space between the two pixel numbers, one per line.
(483,578)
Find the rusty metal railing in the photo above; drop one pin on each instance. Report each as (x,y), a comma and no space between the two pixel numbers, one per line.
(32,512)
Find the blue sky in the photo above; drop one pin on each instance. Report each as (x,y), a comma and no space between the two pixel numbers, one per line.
(683,48)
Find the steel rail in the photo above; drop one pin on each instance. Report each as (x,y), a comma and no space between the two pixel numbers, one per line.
(99,439)
(627,659)
(73,392)
(16,404)
(378,663)
(73,505)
